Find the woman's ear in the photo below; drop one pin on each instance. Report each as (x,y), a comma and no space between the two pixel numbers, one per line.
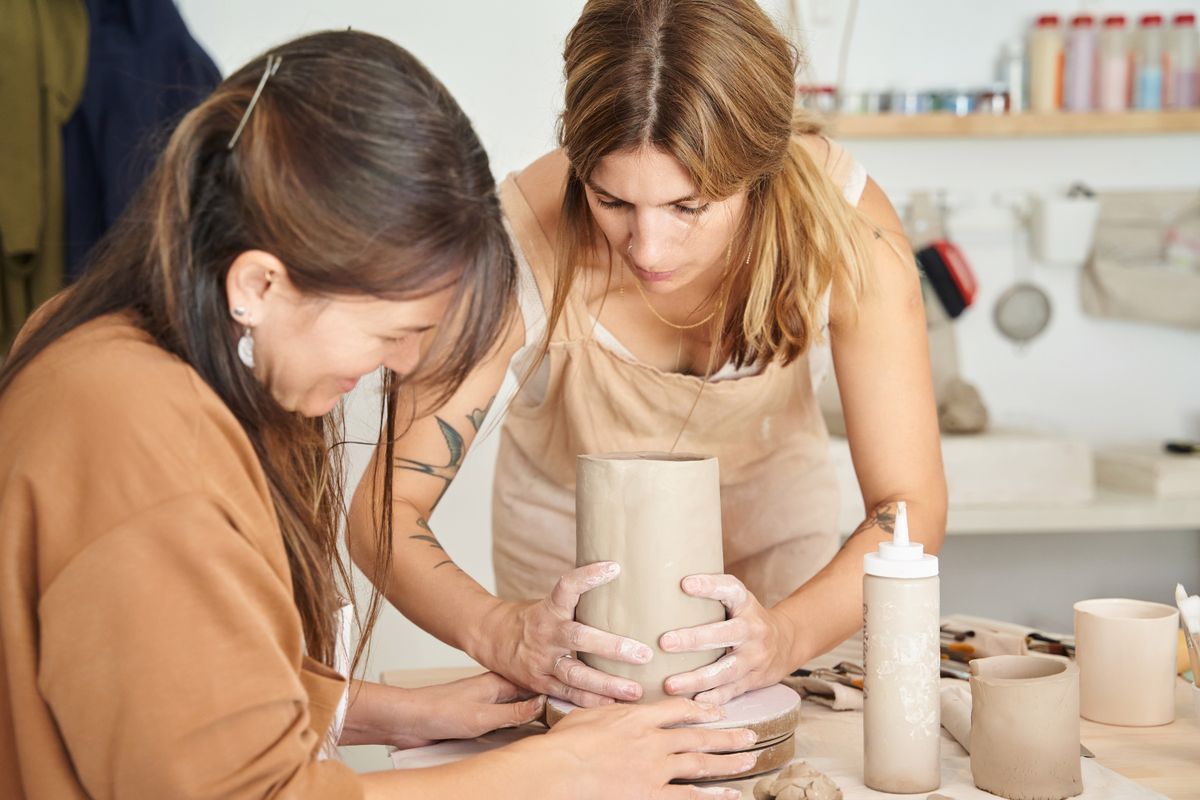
(253,276)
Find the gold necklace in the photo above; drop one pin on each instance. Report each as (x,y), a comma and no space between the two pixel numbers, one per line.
(664,320)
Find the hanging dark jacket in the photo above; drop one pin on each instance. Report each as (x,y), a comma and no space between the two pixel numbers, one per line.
(43,53)
(145,71)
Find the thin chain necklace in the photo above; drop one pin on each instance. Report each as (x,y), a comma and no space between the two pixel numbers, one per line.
(664,320)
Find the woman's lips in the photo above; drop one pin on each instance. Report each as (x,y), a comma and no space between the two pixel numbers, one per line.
(653,277)
(346,385)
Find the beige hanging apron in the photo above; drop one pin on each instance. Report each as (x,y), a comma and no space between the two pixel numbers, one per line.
(779,496)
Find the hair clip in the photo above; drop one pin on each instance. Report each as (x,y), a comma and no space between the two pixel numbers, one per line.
(273,63)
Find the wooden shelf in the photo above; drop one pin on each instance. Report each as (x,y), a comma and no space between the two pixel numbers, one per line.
(1107,511)
(946,125)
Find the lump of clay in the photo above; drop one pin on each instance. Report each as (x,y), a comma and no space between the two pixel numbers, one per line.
(799,781)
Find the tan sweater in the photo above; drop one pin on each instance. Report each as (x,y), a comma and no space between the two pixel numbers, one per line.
(149,644)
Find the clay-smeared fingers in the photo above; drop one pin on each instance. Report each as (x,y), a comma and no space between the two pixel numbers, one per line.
(698,766)
(509,715)
(725,670)
(492,688)
(565,594)
(700,793)
(586,639)
(729,590)
(574,673)
(705,740)
(579,697)
(723,694)
(680,711)
(714,636)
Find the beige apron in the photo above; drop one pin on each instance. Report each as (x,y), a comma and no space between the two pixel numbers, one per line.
(779,496)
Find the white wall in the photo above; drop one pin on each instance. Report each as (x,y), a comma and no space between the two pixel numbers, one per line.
(1102,381)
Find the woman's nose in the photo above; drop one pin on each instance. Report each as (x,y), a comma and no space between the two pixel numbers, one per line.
(646,247)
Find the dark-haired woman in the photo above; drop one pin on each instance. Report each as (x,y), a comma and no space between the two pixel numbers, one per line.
(693,259)
(171,594)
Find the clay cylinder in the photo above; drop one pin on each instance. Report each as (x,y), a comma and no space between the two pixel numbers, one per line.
(1125,650)
(658,515)
(1025,727)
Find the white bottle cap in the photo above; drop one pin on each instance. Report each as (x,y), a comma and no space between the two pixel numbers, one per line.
(901,558)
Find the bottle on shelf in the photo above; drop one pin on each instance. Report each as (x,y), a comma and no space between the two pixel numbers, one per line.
(1148,72)
(1114,68)
(1046,64)
(1012,75)
(1079,70)
(1183,45)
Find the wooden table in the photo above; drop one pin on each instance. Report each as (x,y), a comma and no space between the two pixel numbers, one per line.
(1165,759)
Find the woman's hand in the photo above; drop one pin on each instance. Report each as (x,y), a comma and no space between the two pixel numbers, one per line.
(759,643)
(532,642)
(462,709)
(633,751)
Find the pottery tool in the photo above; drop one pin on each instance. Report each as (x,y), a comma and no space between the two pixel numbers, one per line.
(1189,619)
(772,713)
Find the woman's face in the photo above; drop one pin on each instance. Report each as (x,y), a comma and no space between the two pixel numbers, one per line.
(311,351)
(647,206)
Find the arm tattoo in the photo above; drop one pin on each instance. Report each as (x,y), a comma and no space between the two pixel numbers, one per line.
(455,446)
(882,517)
(443,472)
(432,541)
(478,415)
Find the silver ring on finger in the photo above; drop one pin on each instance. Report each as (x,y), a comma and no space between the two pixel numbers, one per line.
(554,669)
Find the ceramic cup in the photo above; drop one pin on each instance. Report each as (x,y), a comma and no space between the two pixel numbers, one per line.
(1025,727)
(1126,655)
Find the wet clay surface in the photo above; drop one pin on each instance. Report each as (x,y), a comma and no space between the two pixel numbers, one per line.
(659,517)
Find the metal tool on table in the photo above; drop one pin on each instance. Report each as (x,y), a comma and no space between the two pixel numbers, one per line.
(1048,645)
(847,673)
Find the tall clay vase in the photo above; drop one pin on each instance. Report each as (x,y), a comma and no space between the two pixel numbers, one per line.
(658,515)
(1025,727)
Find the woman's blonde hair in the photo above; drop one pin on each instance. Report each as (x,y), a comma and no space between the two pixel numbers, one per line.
(711,82)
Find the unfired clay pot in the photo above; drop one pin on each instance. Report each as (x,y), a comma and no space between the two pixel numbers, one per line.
(1126,655)
(658,515)
(1025,727)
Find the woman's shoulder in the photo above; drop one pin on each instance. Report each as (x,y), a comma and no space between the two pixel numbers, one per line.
(838,164)
(542,185)
(105,395)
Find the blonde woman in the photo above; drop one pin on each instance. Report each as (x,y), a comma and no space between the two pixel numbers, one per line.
(692,259)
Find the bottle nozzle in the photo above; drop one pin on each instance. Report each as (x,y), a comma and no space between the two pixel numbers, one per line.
(900,536)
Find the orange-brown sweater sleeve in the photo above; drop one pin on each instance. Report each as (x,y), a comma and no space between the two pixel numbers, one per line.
(170,658)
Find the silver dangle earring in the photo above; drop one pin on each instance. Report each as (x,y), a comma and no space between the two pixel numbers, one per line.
(245,348)
(245,345)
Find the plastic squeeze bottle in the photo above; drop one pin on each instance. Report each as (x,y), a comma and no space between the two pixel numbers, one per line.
(1114,78)
(1079,72)
(902,659)
(1148,76)
(1045,64)
(1183,60)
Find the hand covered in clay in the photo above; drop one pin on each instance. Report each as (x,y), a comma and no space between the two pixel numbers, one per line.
(462,709)
(533,644)
(633,751)
(758,641)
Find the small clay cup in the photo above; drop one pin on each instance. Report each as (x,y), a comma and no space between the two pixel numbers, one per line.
(1126,655)
(1025,727)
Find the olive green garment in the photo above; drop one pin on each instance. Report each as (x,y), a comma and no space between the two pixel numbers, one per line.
(43,63)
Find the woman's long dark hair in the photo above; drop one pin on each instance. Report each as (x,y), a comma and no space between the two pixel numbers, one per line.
(357,170)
